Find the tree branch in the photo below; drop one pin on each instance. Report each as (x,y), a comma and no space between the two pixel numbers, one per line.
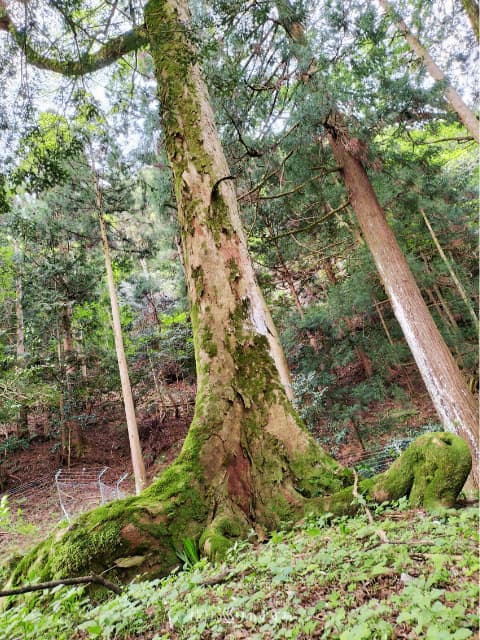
(108,53)
(67,581)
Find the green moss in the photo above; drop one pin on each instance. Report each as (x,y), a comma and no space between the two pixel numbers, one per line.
(219,219)
(208,344)
(256,378)
(219,535)
(234,271)
(317,473)
(81,551)
(431,472)
(198,280)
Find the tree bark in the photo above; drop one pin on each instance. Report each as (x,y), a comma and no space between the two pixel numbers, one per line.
(471,9)
(133,437)
(466,115)
(447,388)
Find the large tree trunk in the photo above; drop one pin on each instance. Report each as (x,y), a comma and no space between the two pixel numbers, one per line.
(246,462)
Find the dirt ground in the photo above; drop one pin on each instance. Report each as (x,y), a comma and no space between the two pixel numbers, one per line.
(35,498)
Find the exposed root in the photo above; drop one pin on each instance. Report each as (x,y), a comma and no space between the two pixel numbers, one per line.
(150,528)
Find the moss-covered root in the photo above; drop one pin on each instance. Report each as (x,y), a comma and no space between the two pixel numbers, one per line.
(222,532)
(430,473)
(141,534)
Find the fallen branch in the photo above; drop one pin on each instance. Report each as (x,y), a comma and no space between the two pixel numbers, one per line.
(67,581)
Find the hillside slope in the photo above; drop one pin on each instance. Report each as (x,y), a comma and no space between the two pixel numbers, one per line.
(403,575)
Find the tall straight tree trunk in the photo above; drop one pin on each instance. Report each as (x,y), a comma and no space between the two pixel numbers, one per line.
(22,418)
(71,429)
(134,439)
(446,386)
(466,115)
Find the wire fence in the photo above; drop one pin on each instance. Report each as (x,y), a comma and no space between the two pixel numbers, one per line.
(75,490)
(83,489)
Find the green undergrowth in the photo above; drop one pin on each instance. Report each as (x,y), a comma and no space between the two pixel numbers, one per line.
(323,579)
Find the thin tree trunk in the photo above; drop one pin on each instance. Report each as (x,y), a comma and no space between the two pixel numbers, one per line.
(465,114)
(471,9)
(61,400)
(452,273)
(22,418)
(71,426)
(81,356)
(134,439)
(293,290)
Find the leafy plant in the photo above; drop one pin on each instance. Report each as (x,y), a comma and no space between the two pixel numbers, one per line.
(189,554)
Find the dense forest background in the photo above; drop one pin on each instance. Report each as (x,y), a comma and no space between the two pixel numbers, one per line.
(355,381)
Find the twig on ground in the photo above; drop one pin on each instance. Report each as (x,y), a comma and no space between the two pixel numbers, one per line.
(67,581)
(380,532)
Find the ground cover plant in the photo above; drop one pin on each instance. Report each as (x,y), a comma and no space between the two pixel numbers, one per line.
(390,572)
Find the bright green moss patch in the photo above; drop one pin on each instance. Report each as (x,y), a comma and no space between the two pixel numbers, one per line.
(431,472)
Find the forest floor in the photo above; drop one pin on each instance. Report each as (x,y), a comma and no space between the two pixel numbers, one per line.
(400,574)
(37,502)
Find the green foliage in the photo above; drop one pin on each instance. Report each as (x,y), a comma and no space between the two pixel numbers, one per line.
(44,152)
(332,578)
(13,524)
(189,554)
(12,444)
